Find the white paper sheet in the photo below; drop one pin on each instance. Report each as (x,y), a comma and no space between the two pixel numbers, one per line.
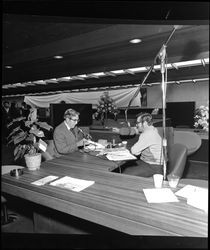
(196,196)
(44,180)
(188,190)
(199,200)
(94,146)
(159,195)
(120,155)
(73,184)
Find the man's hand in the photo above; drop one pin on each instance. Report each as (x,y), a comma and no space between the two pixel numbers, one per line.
(82,142)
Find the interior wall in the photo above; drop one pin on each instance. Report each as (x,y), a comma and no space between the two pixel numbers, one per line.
(198,92)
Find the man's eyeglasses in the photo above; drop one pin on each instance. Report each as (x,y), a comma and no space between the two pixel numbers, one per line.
(75,120)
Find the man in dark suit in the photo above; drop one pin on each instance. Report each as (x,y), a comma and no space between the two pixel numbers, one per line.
(67,137)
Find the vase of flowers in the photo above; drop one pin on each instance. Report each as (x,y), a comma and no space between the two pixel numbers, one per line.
(202,118)
(106,106)
(26,136)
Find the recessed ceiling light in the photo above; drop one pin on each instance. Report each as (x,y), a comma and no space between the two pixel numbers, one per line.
(8,67)
(135,40)
(58,57)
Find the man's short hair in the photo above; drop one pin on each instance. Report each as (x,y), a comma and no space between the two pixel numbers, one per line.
(145,117)
(5,102)
(69,113)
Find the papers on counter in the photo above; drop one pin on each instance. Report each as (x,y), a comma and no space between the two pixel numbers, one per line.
(196,196)
(67,182)
(44,180)
(159,195)
(120,155)
(73,184)
(94,146)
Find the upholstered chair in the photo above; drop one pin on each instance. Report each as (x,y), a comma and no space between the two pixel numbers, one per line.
(177,158)
(190,139)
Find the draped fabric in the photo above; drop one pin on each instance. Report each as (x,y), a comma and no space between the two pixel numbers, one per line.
(121,98)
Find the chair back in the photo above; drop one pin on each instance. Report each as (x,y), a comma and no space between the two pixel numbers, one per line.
(190,139)
(177,157)
(169,135)
(50,153)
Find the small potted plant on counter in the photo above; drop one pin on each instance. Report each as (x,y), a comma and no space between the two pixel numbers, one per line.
(26,136)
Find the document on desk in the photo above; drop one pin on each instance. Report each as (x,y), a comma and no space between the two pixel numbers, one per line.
(196,196)
(94,146)
(159,195)
(44,180)
(120,155)
(73,184)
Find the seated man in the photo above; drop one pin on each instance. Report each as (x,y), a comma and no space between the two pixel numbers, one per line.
(66,137)
(149,147)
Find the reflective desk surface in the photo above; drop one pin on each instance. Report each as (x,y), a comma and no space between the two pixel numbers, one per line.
(114,201)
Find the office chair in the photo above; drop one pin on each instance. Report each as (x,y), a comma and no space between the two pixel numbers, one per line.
(190,139)
(177,157)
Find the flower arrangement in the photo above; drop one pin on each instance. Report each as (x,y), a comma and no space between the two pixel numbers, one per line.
(202,118)
(106,105)
(25,133)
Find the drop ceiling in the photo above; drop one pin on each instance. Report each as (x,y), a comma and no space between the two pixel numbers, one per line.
(89,46)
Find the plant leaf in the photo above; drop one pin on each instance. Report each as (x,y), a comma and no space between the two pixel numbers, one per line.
(20,137)
(17,155)
(37,132)
(28,123)
(30,138)
(14,131)
(16,149)
(44,125)
(23,152)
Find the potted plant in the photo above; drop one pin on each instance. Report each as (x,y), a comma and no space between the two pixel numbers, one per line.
(26,136)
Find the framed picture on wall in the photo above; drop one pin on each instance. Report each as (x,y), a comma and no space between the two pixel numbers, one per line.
(143,97)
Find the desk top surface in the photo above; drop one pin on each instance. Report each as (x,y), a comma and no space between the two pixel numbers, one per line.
(115,200)
(81,159)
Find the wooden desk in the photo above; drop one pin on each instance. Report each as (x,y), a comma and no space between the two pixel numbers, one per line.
(115,201)
(83,160)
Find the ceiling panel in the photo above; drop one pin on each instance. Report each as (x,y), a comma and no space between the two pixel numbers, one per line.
(89,46)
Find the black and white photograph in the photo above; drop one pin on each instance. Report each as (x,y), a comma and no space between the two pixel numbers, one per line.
(105,124)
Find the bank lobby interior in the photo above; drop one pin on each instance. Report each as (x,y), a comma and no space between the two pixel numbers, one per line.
(115,206)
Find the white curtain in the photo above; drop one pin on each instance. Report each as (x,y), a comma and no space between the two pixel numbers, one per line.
(121,98)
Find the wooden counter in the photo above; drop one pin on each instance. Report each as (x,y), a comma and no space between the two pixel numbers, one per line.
(115,201)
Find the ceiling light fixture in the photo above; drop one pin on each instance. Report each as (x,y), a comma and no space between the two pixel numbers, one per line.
(136,40)
(58,57)
(8,67)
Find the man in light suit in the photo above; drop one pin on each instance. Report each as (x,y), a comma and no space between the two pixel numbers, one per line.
(67,137)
